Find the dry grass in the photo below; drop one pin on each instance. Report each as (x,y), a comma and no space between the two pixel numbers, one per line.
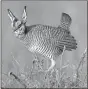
(36,77)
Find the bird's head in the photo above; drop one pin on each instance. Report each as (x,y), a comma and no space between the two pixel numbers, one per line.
(18,26)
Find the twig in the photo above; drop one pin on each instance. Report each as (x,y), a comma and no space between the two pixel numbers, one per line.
(18,79)
(6,83)
(3,83)
(16,64)
(82,58)
(15,59)
(84,80)
(77,70)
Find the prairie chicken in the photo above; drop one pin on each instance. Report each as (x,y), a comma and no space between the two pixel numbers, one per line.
(43,39)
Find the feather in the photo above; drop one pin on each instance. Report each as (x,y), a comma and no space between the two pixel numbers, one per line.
(65,21)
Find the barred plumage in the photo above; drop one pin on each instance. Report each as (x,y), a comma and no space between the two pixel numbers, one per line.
(46,40)
(49,38)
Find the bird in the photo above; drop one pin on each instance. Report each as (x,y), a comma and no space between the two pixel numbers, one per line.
(46,40)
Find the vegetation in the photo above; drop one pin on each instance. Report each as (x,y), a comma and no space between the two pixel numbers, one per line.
(37,77)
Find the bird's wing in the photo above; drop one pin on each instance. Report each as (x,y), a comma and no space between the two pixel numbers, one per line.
(57,37)
(62,37)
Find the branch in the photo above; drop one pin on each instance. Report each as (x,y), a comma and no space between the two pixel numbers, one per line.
(18,79)
(82,59)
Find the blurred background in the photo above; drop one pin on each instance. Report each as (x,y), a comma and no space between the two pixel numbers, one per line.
(48,13)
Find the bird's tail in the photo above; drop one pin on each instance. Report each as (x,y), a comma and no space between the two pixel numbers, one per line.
(65,21)
(70,43)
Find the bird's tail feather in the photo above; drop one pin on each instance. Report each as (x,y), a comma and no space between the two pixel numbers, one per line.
(72,43)
(69,42)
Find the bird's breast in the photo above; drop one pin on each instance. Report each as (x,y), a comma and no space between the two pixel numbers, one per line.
(33,48)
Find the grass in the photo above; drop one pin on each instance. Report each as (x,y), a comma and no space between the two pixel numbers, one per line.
(36,77)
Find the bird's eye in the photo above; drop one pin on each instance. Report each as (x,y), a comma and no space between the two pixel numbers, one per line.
(19,26)
(18,23)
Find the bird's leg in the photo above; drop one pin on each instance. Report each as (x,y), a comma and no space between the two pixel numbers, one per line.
(61,58)
(63,51)
(49,69)
(35,57)
(37,62)
(52,65)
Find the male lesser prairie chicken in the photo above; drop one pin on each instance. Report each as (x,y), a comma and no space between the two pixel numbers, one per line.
(43,39)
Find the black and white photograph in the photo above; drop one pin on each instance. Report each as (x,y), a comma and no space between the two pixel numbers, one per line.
(43,44)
